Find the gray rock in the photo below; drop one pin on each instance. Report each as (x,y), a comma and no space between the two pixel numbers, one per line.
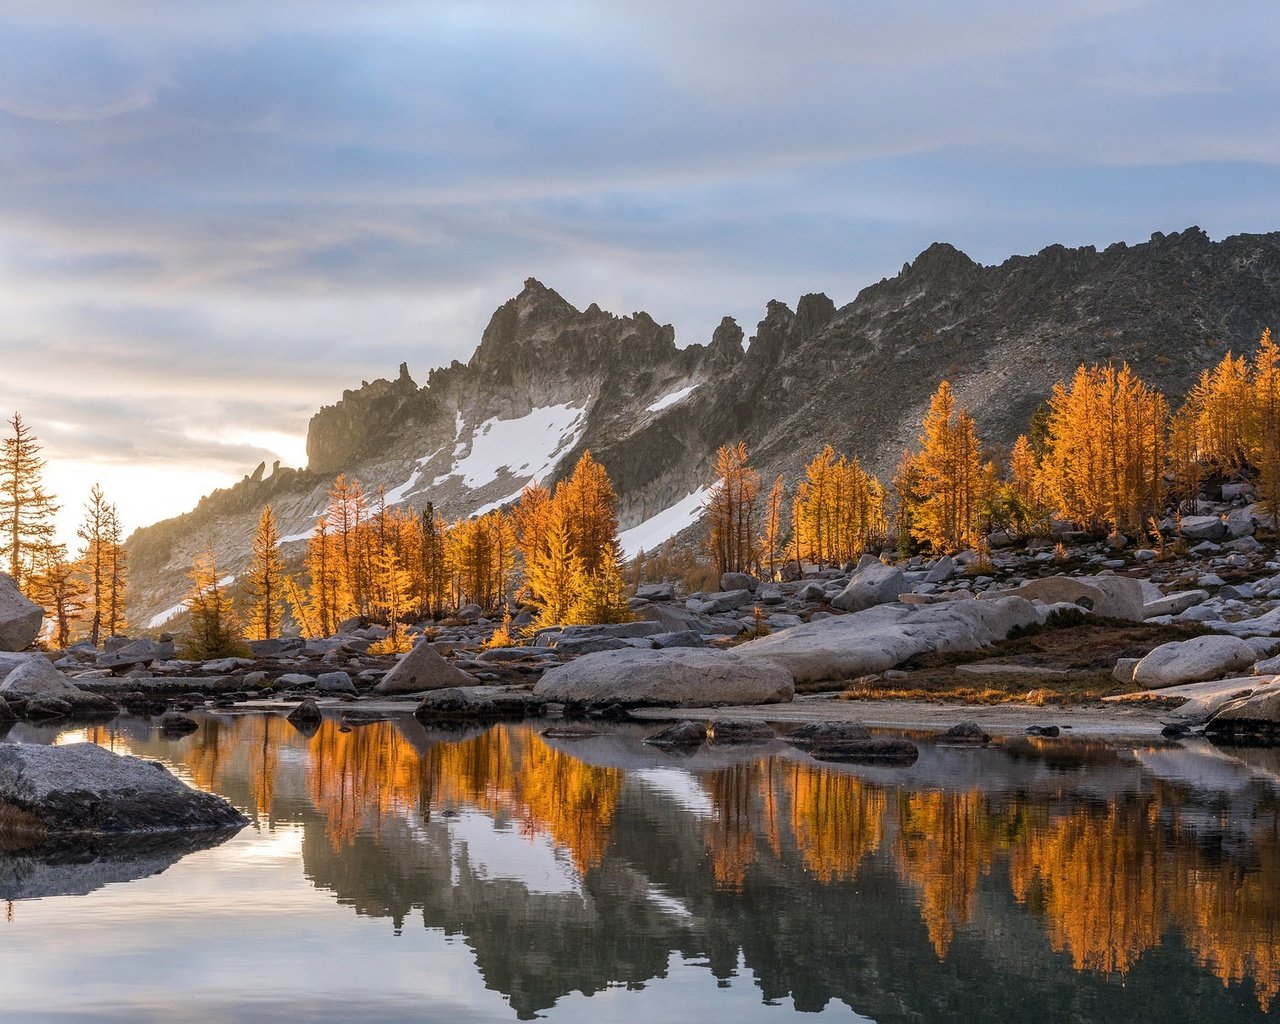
(870,585)
(40,684)
(656,591)
(305,716)
(714,604)
(1256,716)
(671,618)
(423,669)
(822,734)
(1192,661)
(335,682)
(590,644)
(1174,604)
(619,630)
(684,638)
(83,788)
(682,735)
(941,570)
(278,647)
(770,594)
(459,702)
(1210,528)
(139,652)
(965,732)
(812,592)
(738,581)
(295,679)
(1124,670)
(677,677)
(175,723)
(1269,667)
(20,619)
(848,646)
(219,666)
(1263,625)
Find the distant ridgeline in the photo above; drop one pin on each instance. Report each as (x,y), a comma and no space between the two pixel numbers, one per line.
(549,382)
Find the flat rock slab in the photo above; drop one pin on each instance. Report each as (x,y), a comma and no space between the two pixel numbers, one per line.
(675,677)
(84,788)
(848,646)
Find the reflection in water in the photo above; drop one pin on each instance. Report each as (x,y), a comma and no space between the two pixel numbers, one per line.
(950,891)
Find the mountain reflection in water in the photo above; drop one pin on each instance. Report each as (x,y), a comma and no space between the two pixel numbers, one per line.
(1072,881)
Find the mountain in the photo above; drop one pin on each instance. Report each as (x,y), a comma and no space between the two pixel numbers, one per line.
(549,381)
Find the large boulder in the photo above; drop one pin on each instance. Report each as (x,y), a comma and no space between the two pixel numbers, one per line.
(1202,528)
(1174,604)
(676,677)
(1192,661)
(84,788)
(20,619)
(1111,597)
(423,668)
(40,685)
(848,646)
(870,585)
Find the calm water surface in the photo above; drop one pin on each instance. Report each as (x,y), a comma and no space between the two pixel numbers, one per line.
(394,874)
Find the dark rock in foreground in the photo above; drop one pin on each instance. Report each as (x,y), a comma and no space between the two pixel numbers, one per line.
(965,732)
(735,732)
(822,734)
(83,788)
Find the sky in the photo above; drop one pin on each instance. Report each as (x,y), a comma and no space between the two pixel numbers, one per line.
(215,217)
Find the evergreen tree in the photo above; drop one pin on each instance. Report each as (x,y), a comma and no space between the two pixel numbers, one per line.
(731,510)
(265,588)
(54,583)
(95,558)
(26,508)
(214,630)
(117,574)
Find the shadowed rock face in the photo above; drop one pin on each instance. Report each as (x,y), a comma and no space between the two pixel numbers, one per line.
(1003,335)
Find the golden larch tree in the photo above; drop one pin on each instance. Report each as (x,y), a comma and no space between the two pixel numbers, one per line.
(265,585)
(949,465)
(26,508)
(731,511)
(214,629)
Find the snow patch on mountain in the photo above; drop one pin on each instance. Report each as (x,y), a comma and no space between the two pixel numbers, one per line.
(665,525)
(528,446)
(673,397)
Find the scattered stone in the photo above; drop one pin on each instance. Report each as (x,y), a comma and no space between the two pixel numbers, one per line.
(738,581)
(139,652)
(221,666)
(84,788)
(1175,730)
(682,735)
(871,585)
(1124,670)
(684,638)
(307,714)
(1047,731)
(49,694)
(1112,597)
(656,592)
(715,604)
(456,702)
(965,732)
(175,723)
(335,682)
(822,734)
(739,732)
(1210,528)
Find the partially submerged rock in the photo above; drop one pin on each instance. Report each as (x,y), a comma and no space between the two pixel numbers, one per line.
(676,677)
(175,723)
(421,669)
(306,716)
(1255,718)
(821,734)
(965,732)
(20,619)
(47,693)
(457,702)
(734,732)
(682,735)
(84,788)
(872,751)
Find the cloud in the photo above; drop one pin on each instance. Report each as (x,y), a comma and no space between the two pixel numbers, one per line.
(229,212)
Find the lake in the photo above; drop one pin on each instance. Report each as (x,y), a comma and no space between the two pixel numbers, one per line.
(393,873)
